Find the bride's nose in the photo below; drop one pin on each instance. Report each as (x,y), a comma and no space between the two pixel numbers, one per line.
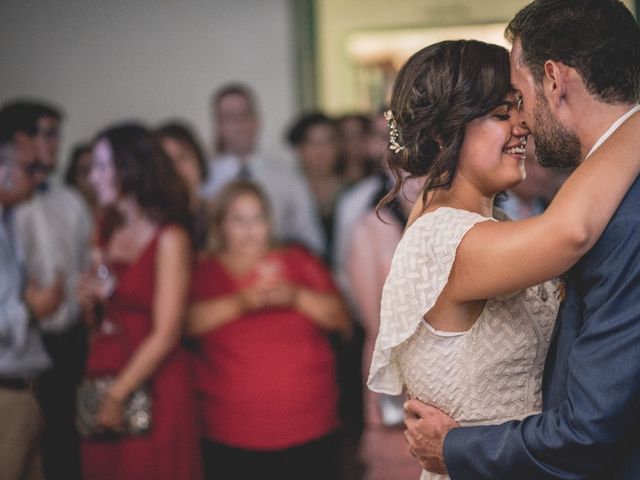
(519,127)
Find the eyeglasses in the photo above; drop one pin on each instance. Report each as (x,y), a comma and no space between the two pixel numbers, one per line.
(34,168)
(49,133)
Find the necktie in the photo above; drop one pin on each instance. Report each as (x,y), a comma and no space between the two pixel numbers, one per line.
(244,173)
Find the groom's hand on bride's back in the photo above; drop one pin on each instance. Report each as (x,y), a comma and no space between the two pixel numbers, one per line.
(426,428)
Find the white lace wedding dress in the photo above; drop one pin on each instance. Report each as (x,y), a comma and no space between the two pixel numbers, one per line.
(486,375)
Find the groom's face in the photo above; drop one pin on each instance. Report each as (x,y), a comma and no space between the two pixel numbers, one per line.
(556,145)
(524,83)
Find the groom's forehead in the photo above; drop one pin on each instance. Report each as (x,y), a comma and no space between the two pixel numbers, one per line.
(516,53)
(517,63)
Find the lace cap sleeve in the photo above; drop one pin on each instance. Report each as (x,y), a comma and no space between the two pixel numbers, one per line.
(419,272)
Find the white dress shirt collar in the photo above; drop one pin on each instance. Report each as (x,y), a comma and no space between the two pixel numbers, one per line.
(612,129)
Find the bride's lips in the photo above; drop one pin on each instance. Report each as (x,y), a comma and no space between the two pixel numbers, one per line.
(517,148)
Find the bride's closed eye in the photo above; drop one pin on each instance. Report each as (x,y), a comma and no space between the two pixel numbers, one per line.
(502,113)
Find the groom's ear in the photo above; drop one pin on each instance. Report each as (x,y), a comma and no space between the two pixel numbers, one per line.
(554,82)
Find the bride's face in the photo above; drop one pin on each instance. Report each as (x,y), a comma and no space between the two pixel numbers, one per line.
(492,155)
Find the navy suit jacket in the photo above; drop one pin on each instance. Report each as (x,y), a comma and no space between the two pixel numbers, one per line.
(590,426)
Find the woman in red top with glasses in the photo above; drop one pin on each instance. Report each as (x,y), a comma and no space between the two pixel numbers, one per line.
(265,370)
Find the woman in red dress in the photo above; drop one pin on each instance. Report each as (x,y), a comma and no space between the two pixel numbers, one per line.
(265,370)
(148,253)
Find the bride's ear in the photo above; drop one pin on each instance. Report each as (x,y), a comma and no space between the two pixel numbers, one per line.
(438,139)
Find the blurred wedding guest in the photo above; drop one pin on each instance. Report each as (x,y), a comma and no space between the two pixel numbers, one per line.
(236,127)
(140,284)
(375,236)
(354,140)
(261,314)
(54,230)
(350,206)
(360,198)
(180,144)
(77,175)
(23,305)
(314,137)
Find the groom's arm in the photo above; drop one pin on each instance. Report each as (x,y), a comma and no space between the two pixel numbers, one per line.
(582,435)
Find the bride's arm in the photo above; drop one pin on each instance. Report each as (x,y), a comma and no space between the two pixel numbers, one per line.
(499,258)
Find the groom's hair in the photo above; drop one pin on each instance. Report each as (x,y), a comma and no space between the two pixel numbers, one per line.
(599,38)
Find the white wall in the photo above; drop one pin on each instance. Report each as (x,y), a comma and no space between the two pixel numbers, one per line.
(104,61)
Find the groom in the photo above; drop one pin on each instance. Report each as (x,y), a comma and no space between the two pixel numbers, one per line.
(577,66)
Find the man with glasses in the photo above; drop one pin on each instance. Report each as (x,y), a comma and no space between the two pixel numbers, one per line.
(54,230)
(22,306)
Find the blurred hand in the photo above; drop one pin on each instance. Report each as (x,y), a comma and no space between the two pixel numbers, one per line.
(269,288)
(86,290)
(253,298)
(282,294)
(111,414)
(270,271)
(426,428)
(43,301)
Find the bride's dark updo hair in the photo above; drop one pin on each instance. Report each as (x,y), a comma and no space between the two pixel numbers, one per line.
(438,91)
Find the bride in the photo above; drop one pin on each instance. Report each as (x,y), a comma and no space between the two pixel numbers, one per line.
(469,305)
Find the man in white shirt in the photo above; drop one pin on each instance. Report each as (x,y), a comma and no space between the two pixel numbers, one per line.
(236,128)
(23,304)
(54,230)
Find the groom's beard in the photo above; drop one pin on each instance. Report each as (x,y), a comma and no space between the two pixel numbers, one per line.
(556,145)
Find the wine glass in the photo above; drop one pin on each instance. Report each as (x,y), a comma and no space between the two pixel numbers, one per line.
(104,281)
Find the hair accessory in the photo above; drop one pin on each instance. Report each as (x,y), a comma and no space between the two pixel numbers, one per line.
(393,132)
(519,102)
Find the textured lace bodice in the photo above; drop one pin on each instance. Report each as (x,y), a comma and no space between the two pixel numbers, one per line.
(486,375)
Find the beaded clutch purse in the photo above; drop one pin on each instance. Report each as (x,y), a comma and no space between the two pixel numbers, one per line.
(137,410)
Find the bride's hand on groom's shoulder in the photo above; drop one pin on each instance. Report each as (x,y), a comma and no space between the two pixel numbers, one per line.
(426,428)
